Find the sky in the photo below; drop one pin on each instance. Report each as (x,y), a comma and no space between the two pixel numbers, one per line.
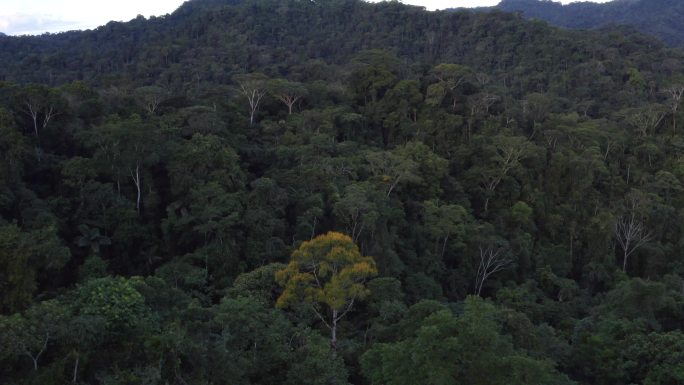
(33,17)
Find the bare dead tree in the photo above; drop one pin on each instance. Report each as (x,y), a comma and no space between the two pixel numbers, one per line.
(630,235)
(254,96)
(630,232)
(254,88)
(38,104)
(675,94)
(34,109)
(492,260)
(479,104)
(551,138)
(510,150)
(482,102)
(647,120)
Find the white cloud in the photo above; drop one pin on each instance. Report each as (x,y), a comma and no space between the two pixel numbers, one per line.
(38,16)
(26,24)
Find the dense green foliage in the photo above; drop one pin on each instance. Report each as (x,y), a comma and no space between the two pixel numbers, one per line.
(517,188)
(660,18)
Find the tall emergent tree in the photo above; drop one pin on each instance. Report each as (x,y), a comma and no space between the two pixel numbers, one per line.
(492,260)
(254,87)
(328,274)
(287,92)
(630,234)
(630,231)
(150,97)
(674,94)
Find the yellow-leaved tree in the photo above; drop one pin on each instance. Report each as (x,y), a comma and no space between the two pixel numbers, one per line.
(328,274)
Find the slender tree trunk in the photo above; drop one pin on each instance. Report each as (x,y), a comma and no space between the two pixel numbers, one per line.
(446,239)
(40,353)
(34,116)
(394,184)
(333,331)
(479,289)
(313,228)
(138,186)
(75,376)
(35,123)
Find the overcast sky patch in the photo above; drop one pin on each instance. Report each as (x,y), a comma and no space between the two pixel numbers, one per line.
(25,24)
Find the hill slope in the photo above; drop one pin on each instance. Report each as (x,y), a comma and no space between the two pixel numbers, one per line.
(661,18)
(213,39)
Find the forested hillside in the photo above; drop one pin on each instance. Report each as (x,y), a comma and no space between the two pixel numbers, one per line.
(661,18)
(337,192)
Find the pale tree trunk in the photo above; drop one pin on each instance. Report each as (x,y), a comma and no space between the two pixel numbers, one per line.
(254,97)
(490,186)
(393,185)
(75,374)
(510,157)
(289,101)
(630,235)
(674,120)
(675,93)
(33,110)
(444,245)
(313,228)
(36,357)
(33,113)
(357,227)
(333,330)
(491,261)
(334,320)
(49,114)
(138,185)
